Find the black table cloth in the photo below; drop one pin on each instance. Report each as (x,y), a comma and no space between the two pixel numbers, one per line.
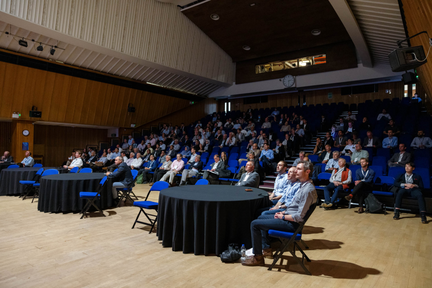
(4,165)
(9,179)
(60,193)
(205,219)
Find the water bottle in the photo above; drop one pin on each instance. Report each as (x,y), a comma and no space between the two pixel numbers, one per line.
(243,253)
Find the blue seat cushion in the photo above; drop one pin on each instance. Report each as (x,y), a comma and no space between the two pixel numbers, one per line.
(88,194)
(283,234)
(124,189)
(234,180)
(224,179)
(146,204)
(36,185)
(27,182)
(382,193)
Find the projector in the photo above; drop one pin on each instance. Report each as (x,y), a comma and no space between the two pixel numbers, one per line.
(36,114)
(403,59)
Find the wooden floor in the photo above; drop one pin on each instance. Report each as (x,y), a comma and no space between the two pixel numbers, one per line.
(60,250)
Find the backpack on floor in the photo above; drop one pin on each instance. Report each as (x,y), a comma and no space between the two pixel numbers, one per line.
(140,179)
(373,205)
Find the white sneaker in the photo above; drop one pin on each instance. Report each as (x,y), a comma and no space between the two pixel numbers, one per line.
(249,252)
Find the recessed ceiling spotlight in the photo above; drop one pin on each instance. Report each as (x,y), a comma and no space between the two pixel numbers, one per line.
(214,17)
(252,4)
(316,32)
(246,47)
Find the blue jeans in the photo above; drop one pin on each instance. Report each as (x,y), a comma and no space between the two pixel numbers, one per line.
(272,212)
(260,227)
(332,188)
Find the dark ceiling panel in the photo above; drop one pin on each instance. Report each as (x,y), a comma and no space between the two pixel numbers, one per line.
(269,27)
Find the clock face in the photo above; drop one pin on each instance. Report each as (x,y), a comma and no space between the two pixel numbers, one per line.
(26,132)
(288,81)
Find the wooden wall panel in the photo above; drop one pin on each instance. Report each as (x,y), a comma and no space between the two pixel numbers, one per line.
(319,97)
(5,137)
(18,126)
(417,16)
(59,141)
(63,98)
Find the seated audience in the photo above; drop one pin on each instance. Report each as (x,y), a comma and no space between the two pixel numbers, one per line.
(340,179)
(349,148)
(355,138)
(421,141)
(383,114)
(6,157)
(176,166)
(171,152)
(287,220)
(280,183)
(122,177)
(266,124)
(224,158)
(371,141)
(286,127)
(279,151)
(125,144)
(166,166)
(267,157)
(141,147)
(91,159)
(350,117)
(340,140)
(186,153)
(151,168)
(319,146)
(137,162)
(301,158)
(363,184)
(365,124)
(400,159)
(195,167)
(328,139)
(77,162)
(391,141)
(101,162)
(409,184)
(216,168)
(250,178)
(251,157)
(391,126)
(326,155)
(358,154)
(130,159)
(123,155)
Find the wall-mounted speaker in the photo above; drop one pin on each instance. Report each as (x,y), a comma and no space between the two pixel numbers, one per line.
(404,59)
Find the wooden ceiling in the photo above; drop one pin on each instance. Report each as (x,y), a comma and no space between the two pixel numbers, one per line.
(269,27)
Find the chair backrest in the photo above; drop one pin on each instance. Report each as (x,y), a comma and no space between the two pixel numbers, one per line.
(50,172)
(243,163)
(233,156)
(115,170)
(12,166)
(202,182)
(40,171)
(86,170)
(354,169)
(159,186)
(102,182)
(37,165)
(74,170)
(396,171)
(386,180)
(378,171)
(233,163)
(232,169)
(424,174)
(134,174)
(324,176)
(313,158)
(347,158)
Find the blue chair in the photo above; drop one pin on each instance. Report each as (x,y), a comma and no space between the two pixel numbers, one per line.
(37,165)
(380,161)
(202,182)
(12,166)
(313,158)
(388,180)
(233,156)
(91,197)
(37,184)
(233,163)
(347,158)
(396,171)
(28,184)
(378,171)
(124,193)
(234,150)
(424,174)
(233,170)
(150,205)
(86,170)
(74,170)
(384,152)
(290,243)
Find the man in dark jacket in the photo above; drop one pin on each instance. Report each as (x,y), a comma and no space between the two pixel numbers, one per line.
(122,177)
(152,165)
(250,178)
(194,169)
(363,184)
(218,167)
(6,157)
(409,184)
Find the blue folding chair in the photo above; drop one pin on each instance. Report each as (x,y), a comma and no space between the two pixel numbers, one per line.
(150,205)
(233,170)
(37,165)
(74,170)
(91,197)
(388,180)
(12,166)
(86,170)
(37,185)
(202,182)
(28,184)
(124,193)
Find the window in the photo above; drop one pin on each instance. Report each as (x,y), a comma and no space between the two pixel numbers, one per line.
(414,89)
(405,90)
(291,64)
(227,106)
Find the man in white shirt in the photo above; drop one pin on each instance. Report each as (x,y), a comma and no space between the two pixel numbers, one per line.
(28,161)
(137,162)
(384,114)
(266,124)
(130,159)
(421,141)
(77,162)
(130,140)
(176,166)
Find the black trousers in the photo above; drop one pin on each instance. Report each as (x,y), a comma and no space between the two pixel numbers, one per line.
(145,173)
(415,193)
(158,175)
(361,190)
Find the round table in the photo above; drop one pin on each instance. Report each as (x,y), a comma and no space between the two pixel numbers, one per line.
(205,219)
(9,183)
(4,165)
(60,193)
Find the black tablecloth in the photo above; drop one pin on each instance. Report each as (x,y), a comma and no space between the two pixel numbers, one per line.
(205,219)
(9,183)
(4,165)
(60,193)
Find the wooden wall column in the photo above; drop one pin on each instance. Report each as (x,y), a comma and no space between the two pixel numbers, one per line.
(18,138)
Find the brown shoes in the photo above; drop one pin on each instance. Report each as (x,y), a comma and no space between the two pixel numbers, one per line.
(268,253)
(254,261)
(348,198)
(325,205)
(360,211)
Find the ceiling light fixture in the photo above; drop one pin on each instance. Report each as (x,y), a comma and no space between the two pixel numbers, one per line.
(23,43)
(316,32)
(52,51)
(214,17)
(252,4)
(40,47)
(246,47)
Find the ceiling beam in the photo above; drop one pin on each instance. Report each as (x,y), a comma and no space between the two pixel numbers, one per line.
(343,10)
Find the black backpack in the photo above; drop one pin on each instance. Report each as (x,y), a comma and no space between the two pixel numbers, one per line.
(373,205)
(232,254)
